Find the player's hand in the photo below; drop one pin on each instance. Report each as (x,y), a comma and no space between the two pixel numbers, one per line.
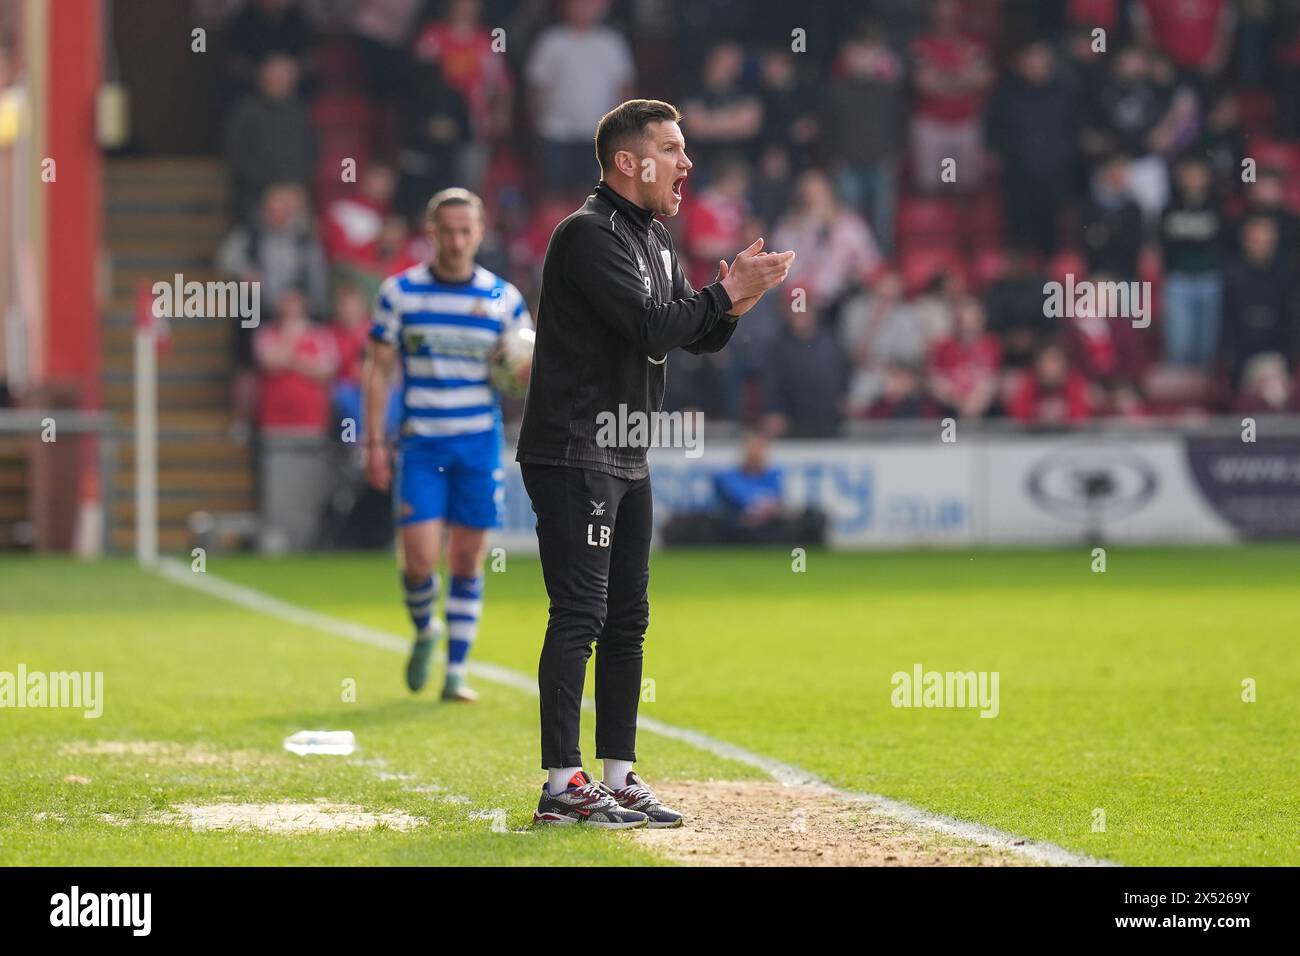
(379,466)
(753,272)
(744,305)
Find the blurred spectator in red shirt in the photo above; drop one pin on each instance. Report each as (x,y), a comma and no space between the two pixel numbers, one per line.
(1051,393)
(296,361)
(1104,347)
(398,248)
(353,224)
(394,251)
(714,220)
(1267,386)
(1195,34)
(350,326)
(462,47)
(953,74)
(964,368)
(836,251)
(351,330)
(278,251)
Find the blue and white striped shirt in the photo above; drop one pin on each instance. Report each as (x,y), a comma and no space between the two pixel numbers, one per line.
(444,332)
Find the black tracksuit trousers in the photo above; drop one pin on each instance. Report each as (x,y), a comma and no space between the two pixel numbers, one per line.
(593,533)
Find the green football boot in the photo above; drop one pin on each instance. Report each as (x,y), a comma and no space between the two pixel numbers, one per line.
(420,664)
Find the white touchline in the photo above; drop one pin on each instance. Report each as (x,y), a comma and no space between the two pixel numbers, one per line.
(784,773)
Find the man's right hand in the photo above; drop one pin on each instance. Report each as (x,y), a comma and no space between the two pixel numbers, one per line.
(379,467)
(754,272)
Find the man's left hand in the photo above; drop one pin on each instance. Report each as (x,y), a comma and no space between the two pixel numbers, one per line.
(744,305)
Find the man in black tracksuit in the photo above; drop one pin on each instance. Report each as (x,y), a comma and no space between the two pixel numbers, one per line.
(614,303)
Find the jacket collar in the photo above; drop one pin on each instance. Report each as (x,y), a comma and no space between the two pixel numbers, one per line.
(633,212)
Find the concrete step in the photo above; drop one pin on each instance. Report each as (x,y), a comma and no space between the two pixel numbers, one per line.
(185,191)
(191,395)
(190,362)
(148,223)
(150,247)
(127,168)
(172,536)
(182,423)
(13,508)
(207,452)
(192,335)
(191,480)
(163,216)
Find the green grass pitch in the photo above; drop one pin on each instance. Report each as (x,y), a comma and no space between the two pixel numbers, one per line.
(1120,690)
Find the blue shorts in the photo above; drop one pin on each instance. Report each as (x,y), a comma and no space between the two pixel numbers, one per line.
(459,479)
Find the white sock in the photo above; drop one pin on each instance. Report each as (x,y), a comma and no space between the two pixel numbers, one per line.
(558,779)
(616,772)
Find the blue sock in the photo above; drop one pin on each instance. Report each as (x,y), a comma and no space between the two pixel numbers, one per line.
(464,605)
(421,595)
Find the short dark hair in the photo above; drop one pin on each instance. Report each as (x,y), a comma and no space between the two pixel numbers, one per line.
(626,123)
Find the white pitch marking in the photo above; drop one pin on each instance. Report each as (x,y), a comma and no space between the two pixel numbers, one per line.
(787,774)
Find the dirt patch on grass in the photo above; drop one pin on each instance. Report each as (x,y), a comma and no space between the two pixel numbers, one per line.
(166,751)
(761,823)
(287,817)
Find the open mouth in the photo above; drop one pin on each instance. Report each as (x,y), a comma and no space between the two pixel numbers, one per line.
(677,187)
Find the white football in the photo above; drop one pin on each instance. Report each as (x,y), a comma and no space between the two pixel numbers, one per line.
(510,363)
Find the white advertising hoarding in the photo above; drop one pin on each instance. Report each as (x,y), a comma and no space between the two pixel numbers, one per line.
(1063,490)
(890,495)
(1020,490)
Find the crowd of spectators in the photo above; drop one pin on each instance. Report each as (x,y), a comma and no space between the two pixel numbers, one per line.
(934,164)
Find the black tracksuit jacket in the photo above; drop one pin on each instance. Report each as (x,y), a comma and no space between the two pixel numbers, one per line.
(614,303)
